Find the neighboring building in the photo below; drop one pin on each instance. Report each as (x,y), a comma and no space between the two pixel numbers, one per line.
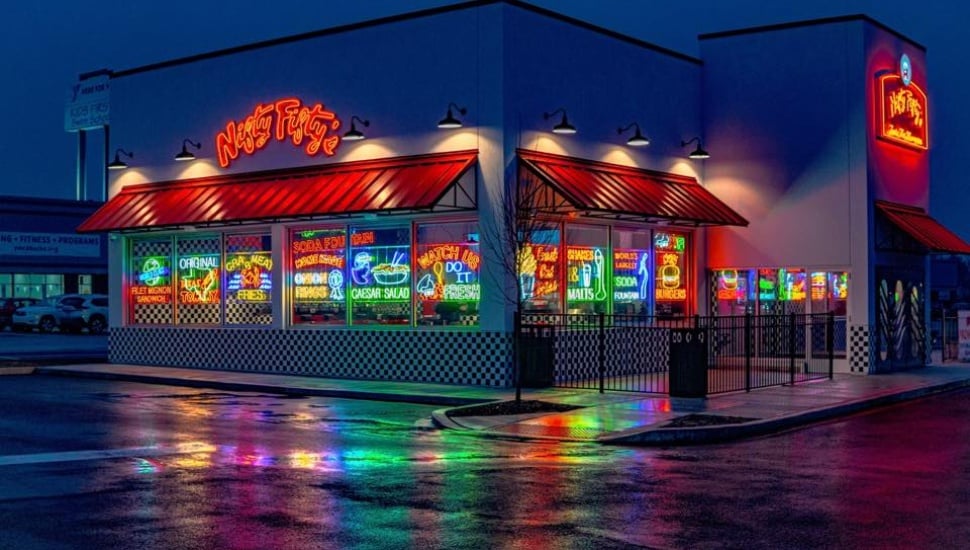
(288,246)
(41,254)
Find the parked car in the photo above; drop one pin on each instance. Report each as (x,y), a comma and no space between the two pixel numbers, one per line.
(9,305)
(68,312)
(91,314)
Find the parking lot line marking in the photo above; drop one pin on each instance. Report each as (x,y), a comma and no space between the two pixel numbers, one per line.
(74,456)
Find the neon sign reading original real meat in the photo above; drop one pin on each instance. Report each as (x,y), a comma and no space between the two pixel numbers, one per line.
(199,279)
(284,119)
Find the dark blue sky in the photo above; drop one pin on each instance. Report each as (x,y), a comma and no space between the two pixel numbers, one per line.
(45,45)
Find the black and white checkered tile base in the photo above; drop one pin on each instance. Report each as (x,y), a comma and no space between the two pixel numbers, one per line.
(467,358)
(861,349)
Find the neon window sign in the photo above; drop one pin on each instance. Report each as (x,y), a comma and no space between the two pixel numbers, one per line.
(248,276)
(379,272)
(819,286)
(731,285)
(670,283)
(199,279)
(319,265)
(538,271)
(311,126)
(585,274)
(449,273)
(631,275)
(902,112)
(792,284)
(767,284)
(153,281)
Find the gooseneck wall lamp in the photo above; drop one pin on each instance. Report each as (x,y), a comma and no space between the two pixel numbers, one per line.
(117,163)
(354,134)
(450,121)
(698,152)
(638,139)
(564,127)
(186,155)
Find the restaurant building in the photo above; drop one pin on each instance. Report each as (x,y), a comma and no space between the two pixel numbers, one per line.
(341,209)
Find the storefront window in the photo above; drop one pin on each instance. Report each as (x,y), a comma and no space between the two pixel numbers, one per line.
(671,268)
(631,272)
(150,281)
(85,283)
(319,270)
(735,291)
(199,274)
(380,273)
(830,290)
(6,285)
(782,291)
(37,285)
(249,282)
(539,271)
(587,255)
(447,273)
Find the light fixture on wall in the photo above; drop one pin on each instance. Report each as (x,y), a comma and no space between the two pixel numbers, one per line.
(117,163)
(638,139)
(450,121)
(564,127)
(185,154)
(698,152)
(354,134)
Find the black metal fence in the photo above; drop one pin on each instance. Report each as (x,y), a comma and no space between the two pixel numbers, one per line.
(658,354)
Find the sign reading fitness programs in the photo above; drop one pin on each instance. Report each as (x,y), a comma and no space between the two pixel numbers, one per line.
(49,244)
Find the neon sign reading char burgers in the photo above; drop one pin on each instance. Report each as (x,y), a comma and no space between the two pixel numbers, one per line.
(312,127)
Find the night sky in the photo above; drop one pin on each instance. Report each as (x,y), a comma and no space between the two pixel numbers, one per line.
(45,45)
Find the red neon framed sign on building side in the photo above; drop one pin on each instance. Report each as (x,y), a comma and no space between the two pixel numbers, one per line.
(311,126)
(902,109)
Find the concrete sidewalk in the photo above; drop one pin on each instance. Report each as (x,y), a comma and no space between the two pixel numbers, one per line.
(611,418)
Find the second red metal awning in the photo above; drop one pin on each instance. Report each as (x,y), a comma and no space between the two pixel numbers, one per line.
(919,225)
(621,192)
(401,184)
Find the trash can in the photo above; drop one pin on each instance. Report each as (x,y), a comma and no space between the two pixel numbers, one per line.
(536,356)
(688,362)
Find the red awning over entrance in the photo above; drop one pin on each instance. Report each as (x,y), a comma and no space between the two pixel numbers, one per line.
(387,185)
(621,192)
(919,225)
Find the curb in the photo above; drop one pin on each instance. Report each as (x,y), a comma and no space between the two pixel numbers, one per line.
(444,400)
(718,434)
(5,371)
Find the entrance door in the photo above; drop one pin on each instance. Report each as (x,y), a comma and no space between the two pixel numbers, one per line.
(900,328)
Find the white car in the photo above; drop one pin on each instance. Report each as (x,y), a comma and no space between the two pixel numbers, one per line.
(68,312)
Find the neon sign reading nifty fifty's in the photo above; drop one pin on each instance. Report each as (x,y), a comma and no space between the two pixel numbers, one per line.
(903,118)
(283,119)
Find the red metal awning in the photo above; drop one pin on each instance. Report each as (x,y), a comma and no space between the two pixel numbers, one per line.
(621,192)
(919,225)
(387,185)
